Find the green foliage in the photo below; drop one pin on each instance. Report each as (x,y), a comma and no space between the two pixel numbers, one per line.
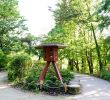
(50,80)
(9,8)
(3,60)
(11,23)
(106,44)
(19,67)
(33,75)
(77,26)
(67,75)
(105,75)
(28,40)
(104,12)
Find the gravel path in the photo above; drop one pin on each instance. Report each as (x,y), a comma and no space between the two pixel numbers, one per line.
(92,89)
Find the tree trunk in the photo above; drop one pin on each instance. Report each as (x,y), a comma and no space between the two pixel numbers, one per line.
(1,41)
(82,66)
(89,61)
(76,64)
(70,64)
(30,47)
(96,43)
(97,49)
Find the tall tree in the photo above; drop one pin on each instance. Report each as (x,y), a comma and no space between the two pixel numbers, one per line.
(11,23)
(104,14)
(77,24)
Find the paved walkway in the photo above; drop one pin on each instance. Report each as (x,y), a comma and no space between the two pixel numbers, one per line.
(92,89)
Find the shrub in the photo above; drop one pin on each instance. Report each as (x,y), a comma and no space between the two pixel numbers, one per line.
(50,80)
(33,75)
(67,75)
(31,79)
(54,86)
(19,67)
(105,75)
(3,60)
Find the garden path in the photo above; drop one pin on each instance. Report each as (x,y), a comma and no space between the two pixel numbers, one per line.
(92,89)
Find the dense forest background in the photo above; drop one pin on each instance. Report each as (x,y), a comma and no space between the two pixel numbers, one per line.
(80,24)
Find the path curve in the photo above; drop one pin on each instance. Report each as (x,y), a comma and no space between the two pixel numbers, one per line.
(92,89)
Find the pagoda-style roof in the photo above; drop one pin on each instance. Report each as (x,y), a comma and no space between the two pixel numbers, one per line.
(60,46)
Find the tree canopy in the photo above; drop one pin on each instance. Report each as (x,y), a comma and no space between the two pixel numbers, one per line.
(78,25)
(11,23)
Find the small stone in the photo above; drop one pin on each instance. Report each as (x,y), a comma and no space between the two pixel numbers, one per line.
(73,89)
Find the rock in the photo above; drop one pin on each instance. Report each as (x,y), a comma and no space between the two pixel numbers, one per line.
(73,89)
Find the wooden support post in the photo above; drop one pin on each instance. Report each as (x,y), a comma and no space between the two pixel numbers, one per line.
(57,71)
(41,78)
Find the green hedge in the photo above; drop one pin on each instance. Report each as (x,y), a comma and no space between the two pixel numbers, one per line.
(105,75)
(19,67)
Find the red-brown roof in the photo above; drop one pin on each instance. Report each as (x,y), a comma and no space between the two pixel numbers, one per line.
(60,46)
